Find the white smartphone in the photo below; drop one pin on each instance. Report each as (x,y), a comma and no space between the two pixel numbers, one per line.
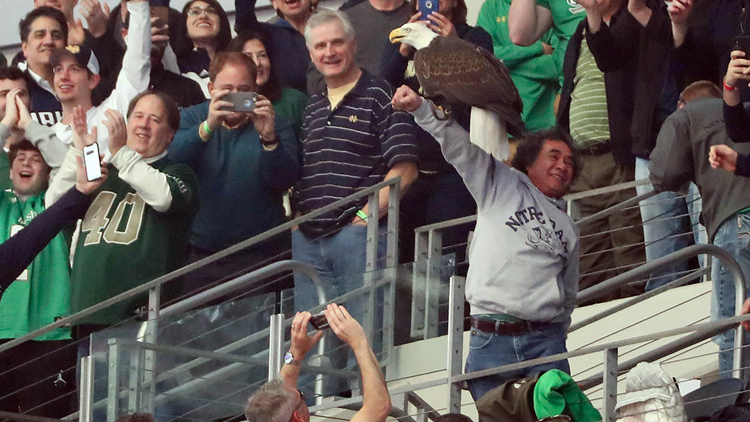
(91,161)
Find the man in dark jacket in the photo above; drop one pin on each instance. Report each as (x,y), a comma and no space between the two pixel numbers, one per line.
(613,75)
(681,156)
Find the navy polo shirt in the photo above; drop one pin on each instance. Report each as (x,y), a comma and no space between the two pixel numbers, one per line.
(349,149)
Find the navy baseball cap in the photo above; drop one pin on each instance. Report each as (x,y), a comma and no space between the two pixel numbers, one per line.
(80,53)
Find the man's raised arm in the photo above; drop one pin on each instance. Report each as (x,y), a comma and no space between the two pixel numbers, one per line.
(376,401)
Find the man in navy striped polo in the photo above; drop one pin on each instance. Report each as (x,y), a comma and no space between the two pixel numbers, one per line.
(352,139)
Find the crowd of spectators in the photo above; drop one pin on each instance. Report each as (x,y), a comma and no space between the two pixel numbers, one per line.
(631,85)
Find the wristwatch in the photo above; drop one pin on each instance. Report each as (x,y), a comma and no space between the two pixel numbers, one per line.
(290,360)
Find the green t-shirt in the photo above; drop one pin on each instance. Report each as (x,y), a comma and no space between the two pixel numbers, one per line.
(533,72)
(566,15)
(589,118)
(124,242)
(42,292)
(291,105)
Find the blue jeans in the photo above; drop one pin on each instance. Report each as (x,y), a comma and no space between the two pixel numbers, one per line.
(666,228)
(340,260)
(490,351)
(733,236)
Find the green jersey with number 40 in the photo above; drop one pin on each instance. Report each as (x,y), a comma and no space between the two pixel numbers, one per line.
(42,292)
(124,242)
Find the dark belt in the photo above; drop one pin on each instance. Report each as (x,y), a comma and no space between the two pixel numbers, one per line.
(596,149)
(504,328)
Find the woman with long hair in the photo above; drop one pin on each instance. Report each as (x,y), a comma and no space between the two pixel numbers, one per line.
(287,102)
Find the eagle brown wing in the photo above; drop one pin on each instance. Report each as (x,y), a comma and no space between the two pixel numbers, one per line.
(465,73)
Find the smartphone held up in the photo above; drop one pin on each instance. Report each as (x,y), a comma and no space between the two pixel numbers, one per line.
(243,102)
(92,162)
(428,7)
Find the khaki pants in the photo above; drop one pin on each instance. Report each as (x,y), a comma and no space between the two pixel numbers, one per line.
(613,244)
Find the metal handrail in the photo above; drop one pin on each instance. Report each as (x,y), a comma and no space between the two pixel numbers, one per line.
(242,282)
(640,298)
(657,264)
(568,198)
(615,208)
(69,320)
(703,328)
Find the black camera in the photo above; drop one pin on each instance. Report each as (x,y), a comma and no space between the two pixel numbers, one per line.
(319,321)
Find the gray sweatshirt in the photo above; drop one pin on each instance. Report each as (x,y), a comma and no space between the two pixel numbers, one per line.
(525,252)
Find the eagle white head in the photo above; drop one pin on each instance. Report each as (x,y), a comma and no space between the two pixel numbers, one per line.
(416,34)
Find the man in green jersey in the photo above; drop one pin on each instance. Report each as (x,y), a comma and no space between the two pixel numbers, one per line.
(137,227)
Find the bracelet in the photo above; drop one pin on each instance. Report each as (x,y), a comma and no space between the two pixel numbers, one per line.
(728,87)
(206,128)
(267,143)
(361,214)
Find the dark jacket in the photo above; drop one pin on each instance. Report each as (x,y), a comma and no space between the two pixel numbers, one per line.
(45,107)
(705,54)
(634,60)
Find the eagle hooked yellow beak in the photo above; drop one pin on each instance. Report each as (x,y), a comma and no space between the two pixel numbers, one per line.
(398,34)
(415,34)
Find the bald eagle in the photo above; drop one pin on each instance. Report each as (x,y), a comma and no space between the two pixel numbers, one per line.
(464,73)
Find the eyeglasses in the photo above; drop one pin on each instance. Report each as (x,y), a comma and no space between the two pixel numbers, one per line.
(301,400)
(197,11)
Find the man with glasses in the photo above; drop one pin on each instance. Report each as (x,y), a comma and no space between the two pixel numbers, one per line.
(281,401)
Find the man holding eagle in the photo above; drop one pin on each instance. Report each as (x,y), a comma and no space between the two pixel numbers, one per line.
(523,293)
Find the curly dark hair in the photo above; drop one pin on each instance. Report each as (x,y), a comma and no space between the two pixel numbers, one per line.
(531,144)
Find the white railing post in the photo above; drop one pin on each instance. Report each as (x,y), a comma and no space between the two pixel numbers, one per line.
(455,340)
(610,384)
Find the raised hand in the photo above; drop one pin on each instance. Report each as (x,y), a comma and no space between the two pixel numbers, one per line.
(11,109)
(81,136)
(738,69)
(76,33)
(216,115)
(679,11)
(405,99)
(345,326)
(24,117)
(302,343)
(85,186)
(96,16)
(722,156)
(441,25)
(264,118)
(159,34)
(118,130)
